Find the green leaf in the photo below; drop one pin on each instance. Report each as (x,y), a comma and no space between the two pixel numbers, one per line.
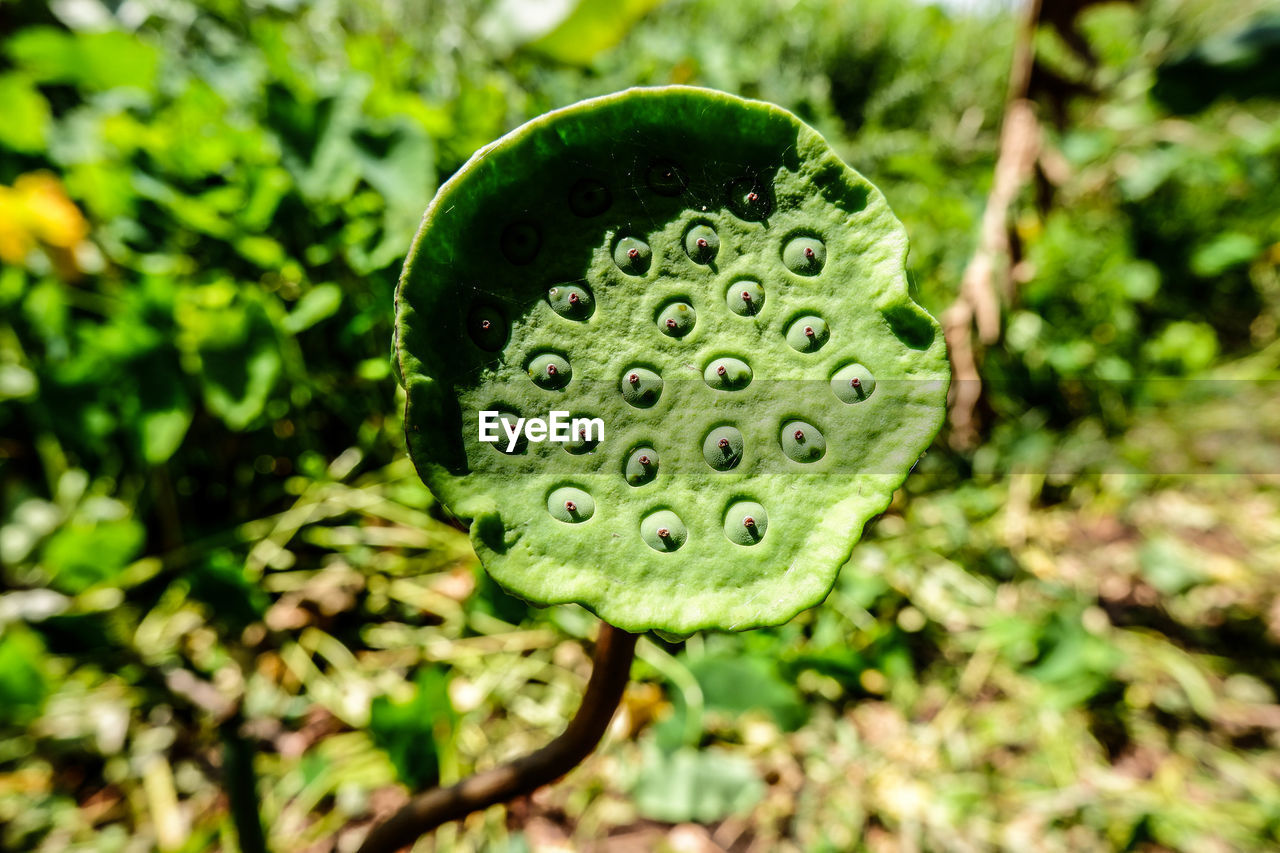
(592,27)
(84,554)
(411,731)
(1222,252)
(23,685)
(689,784)
(96,61)
(318,303)
(220,582)
(739,684)
(26,119)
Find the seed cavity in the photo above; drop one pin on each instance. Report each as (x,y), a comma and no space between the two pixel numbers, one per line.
(750,199)
(853,383)
(676,319)
(570,504)
(550,370)
(584,439)
(745,297)
(641,466)
(486,327)
(632,255)
(802,442)
(727,373)
(571,301)
(640,386)
(702,244)
(722,448)
(663,531)
(804,255)
(745,522)
(808,334)
(509,420)
(588,197)
(520,243)
(665,178)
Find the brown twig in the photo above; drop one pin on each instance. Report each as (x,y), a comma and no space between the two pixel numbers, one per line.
(977,306)
(611,669)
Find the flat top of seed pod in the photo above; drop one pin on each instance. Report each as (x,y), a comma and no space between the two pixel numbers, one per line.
(700,278)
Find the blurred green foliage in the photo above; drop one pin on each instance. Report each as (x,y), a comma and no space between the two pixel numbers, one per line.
(209,532)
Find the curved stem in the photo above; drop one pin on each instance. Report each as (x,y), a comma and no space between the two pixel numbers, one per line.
(611,669)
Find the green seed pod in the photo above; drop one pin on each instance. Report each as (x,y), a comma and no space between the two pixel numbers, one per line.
(676,319)
(702,244)
(570,505)
(722,448)
(853,383)
(802,442)
(745,522)
(640,386)
(745,297)
(663,531)
(808,334)
(632,255)
(727,374)
(804,255)
(571,301)
(550,370)
(520,218)
(642,466)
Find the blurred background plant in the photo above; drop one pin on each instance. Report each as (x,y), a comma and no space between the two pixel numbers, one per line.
(220,571)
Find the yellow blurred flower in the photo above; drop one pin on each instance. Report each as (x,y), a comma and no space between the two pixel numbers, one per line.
(36,211)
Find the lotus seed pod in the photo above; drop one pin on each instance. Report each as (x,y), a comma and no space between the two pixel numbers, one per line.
(677,319)
(519,219)
(589,197)
(745,297)
(727,374)
(702,244)
(640,386)
(570,505)
(663,531)
(808,334)
(571,301)
(642,466)
(802,442)
(745,522)
(853,383)
(804,255)
(632,255)
(722,448)
(550,370)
